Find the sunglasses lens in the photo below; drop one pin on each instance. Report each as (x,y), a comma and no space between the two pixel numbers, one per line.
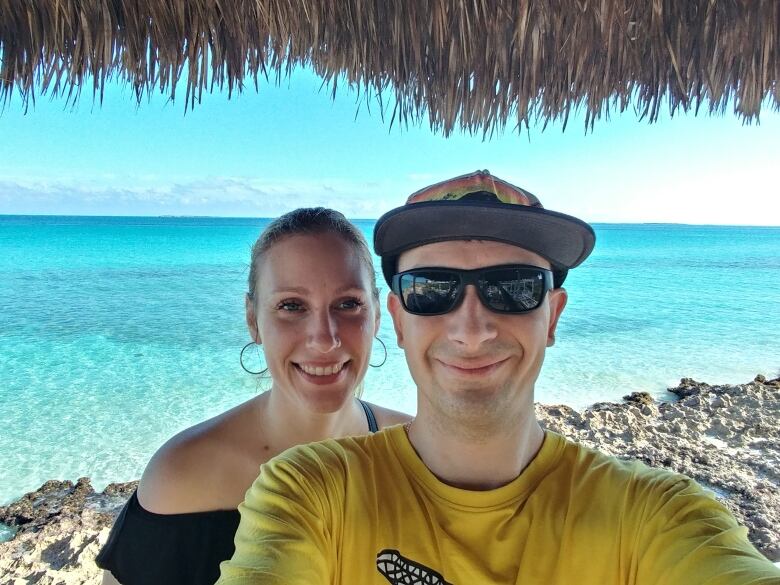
(512,290)
(429,293)
(504,289)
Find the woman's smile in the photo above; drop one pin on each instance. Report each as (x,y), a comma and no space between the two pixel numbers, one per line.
(322,369)
(322,374)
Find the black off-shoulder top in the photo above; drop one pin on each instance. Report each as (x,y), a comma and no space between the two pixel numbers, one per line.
(145,548)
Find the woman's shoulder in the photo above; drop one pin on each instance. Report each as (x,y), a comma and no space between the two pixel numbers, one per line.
(203,468)
(386,417)
(144,547)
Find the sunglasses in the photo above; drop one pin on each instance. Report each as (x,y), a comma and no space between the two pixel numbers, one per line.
(510,288)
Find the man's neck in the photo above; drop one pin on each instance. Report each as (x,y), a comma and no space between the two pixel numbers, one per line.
(488,463)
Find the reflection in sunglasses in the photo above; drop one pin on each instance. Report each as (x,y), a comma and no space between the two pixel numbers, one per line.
(504,289)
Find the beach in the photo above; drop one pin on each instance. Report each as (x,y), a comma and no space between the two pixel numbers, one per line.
(726,437)
(119,332)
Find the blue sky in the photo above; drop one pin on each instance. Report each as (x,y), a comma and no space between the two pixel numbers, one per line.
(262,153)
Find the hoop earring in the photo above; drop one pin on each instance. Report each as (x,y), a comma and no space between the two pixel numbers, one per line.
(382,343)
(241,360)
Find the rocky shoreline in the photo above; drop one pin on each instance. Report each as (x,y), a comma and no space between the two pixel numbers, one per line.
(725,437)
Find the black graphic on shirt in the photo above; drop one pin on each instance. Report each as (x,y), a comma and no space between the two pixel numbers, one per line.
(399,570)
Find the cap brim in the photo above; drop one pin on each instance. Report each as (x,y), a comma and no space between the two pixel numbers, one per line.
(563,240)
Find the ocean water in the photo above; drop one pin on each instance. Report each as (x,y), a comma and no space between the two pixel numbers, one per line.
(115,333)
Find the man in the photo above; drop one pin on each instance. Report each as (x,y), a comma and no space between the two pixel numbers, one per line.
(473,490)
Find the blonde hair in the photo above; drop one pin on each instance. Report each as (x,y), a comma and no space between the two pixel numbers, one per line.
(307,221)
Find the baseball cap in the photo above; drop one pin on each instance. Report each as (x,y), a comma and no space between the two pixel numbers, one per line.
(480,206)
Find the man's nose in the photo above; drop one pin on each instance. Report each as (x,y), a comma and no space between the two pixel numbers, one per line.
(471,323)
(323,334)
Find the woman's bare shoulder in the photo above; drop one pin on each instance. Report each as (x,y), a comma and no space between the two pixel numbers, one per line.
(385,417)
(202,468)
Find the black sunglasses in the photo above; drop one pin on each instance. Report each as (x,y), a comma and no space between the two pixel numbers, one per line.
(510,288)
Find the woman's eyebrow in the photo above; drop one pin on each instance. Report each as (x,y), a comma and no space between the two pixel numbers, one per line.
(349,287)
(291,289)
(302,290)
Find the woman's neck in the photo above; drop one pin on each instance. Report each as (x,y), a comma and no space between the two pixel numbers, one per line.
(289,422)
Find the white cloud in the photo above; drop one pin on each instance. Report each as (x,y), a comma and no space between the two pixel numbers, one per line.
(675,195)
(222,196)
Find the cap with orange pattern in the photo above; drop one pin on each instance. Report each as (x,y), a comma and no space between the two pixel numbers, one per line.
(480,206)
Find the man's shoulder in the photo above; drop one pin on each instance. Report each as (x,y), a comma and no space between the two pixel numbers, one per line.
(621,473)
(627,491)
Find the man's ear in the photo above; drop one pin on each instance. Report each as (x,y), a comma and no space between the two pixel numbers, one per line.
(558,298)
(377,318)
(395,309)
(251,319)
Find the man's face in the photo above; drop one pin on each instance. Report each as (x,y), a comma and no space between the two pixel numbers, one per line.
(472,365)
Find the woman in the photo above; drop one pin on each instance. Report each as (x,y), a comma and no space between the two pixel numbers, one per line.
(313,305)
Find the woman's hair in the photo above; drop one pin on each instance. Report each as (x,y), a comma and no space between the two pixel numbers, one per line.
(308,221)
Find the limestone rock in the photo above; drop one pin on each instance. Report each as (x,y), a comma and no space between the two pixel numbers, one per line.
(725,437)
(60,529)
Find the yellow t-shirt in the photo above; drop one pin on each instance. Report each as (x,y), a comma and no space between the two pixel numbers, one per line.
(366,511)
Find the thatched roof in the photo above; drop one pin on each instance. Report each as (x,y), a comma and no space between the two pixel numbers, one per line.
(475,64)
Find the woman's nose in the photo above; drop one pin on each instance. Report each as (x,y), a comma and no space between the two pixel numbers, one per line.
(323,332)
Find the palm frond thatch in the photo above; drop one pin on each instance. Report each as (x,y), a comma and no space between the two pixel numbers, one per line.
(473,64)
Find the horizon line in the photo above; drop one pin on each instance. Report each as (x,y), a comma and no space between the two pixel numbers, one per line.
(248,217)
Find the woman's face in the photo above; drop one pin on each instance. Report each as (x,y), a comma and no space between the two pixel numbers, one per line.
(315,316)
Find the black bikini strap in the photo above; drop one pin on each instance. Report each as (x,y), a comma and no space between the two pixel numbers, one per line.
(372,426)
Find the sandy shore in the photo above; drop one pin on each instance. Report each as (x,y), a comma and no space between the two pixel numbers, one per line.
(726,437)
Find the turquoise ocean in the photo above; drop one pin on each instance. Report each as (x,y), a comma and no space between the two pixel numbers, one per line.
(115,333)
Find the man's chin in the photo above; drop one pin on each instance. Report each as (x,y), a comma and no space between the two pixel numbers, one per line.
(484,403)
(471,403)
(474,413)
(469,391)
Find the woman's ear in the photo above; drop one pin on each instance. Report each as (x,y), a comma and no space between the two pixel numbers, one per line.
(251,319)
